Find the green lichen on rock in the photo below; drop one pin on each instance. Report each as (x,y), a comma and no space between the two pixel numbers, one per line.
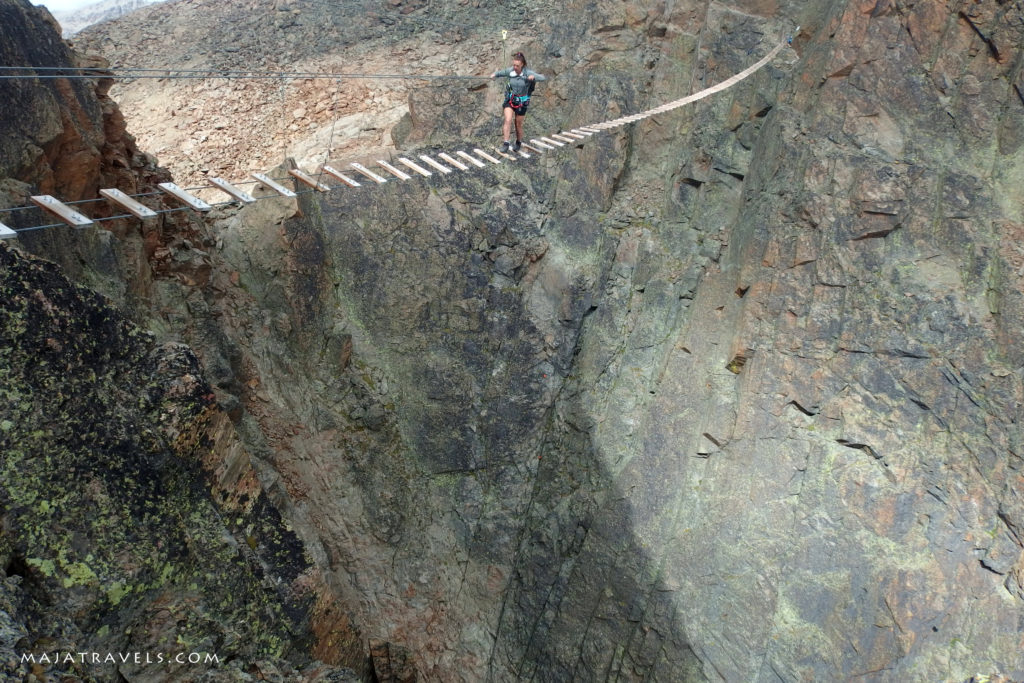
(105,504)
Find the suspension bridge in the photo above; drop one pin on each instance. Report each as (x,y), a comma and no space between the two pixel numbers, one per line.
(354,175)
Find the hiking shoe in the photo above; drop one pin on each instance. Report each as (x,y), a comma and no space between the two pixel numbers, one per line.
(518,145)
(504,146)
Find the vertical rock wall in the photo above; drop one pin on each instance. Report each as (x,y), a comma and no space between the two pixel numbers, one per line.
(780,435)
(809,457)
(133,521)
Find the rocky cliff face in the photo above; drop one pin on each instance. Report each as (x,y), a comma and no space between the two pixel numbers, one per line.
(774,433)
(803,442)
(134,524)
(66,137)
(731,394)
(136,532)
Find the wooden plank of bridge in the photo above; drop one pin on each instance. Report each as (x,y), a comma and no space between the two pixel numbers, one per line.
(401,175)
(414,166)
(471,159)
(309,180)
(368,173)
(128,203)
(330,170)
(61,211)
(6,233)
(484,155)
(192,202)
(553,143)
(430,162)
(232,191)
(454,162)
(273,185)
(537,145)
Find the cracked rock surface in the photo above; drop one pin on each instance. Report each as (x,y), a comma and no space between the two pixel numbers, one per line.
(732,393)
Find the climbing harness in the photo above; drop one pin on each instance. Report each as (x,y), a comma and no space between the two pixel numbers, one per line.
(518,102)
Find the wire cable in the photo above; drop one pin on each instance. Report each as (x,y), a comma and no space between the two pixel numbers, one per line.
(334,121)
(105,219)
(93,73)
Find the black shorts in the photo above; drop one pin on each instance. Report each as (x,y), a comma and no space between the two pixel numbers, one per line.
(521,111)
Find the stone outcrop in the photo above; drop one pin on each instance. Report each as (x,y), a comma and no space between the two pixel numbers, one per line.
(133,520)
(730,394)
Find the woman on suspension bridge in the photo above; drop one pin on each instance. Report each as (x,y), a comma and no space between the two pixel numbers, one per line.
(517,97)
